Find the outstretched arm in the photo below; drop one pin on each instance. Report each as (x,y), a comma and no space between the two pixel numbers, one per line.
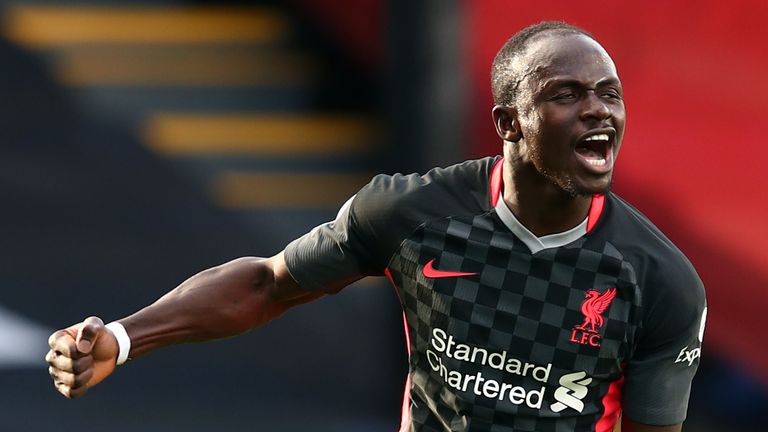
(219,302)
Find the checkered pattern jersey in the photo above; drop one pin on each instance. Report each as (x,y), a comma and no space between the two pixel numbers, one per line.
(500,348)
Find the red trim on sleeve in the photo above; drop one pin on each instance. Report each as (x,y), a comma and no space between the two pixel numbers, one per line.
(595,210)
(496,181)
(405,416)
(611,407)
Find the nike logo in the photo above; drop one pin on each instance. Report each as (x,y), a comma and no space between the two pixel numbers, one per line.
(430,271)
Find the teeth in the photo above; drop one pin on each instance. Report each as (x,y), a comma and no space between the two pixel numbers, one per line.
(598,137)
(596,162)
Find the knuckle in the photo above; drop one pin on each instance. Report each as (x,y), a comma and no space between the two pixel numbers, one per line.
(64,346)
(63,364)
(66,378)
(54,338)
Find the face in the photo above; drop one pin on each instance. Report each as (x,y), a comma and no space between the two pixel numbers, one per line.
(569,115)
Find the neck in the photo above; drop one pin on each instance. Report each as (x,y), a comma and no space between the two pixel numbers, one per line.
(540,205)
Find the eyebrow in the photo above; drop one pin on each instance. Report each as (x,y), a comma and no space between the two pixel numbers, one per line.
(574,82)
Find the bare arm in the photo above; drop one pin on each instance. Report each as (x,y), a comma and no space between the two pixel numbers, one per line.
(219,302)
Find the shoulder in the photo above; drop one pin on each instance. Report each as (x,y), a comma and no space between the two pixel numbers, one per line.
(444,191)
(370,227)
(664,272)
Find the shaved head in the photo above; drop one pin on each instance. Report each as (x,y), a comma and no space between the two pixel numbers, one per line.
(507,72)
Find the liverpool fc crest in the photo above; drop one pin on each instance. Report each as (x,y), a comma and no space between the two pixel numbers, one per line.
(593,307)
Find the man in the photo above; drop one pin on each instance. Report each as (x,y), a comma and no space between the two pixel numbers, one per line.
(535,299)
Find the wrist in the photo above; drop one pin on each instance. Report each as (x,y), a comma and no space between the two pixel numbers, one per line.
(123,341)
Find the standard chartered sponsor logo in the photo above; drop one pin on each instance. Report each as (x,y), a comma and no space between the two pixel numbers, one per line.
(573,388)
(443,345)
(571,393)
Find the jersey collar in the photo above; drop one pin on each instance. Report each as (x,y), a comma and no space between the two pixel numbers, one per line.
(534,243)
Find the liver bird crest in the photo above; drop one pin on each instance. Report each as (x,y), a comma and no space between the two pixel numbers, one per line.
(593,308)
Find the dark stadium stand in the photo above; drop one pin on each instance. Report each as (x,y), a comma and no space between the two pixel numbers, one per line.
(145,141)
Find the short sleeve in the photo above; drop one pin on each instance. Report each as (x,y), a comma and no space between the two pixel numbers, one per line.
(331,252)
(362,237)
(659,372)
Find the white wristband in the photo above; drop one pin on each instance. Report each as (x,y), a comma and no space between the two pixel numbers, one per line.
(123,341)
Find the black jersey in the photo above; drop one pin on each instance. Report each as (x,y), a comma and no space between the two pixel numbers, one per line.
(507,336)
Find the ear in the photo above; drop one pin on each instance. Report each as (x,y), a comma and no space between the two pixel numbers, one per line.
(507,125)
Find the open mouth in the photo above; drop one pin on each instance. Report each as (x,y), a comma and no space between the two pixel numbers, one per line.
(596,150)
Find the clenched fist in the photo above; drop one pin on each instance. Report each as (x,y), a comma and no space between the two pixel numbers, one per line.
(81,356)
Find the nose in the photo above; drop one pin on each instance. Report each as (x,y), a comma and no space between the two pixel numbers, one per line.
(594,107)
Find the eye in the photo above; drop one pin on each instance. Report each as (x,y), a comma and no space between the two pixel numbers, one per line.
(564,96)
(612,94)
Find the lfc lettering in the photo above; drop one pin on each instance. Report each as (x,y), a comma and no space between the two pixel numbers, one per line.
(585,338)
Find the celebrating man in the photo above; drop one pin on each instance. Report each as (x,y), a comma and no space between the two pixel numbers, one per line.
(535,299)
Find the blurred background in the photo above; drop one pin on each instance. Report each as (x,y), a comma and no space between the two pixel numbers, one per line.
(143,141)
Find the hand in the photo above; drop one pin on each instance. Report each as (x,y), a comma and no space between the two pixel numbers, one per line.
(81,356)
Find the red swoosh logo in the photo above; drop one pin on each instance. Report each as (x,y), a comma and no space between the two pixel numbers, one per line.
(430,271)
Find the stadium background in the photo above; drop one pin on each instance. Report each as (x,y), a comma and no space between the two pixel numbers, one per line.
(143,141)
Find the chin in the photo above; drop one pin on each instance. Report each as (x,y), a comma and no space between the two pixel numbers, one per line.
(589,188)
